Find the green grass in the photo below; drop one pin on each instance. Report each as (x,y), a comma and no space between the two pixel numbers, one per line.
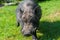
(49,24)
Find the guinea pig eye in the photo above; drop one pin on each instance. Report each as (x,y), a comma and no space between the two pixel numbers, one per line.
(21,11)
(30,16)
(29,4)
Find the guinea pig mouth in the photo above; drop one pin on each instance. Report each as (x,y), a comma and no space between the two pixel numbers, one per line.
(27,35)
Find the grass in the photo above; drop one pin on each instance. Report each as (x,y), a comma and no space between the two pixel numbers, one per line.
(49,24)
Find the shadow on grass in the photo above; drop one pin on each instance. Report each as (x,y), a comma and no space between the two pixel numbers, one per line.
(51,30)
(1,5)
(42,0)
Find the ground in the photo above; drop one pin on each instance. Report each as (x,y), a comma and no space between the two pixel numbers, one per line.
(49,24)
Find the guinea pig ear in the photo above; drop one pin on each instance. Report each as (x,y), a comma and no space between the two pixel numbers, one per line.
(36,8)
